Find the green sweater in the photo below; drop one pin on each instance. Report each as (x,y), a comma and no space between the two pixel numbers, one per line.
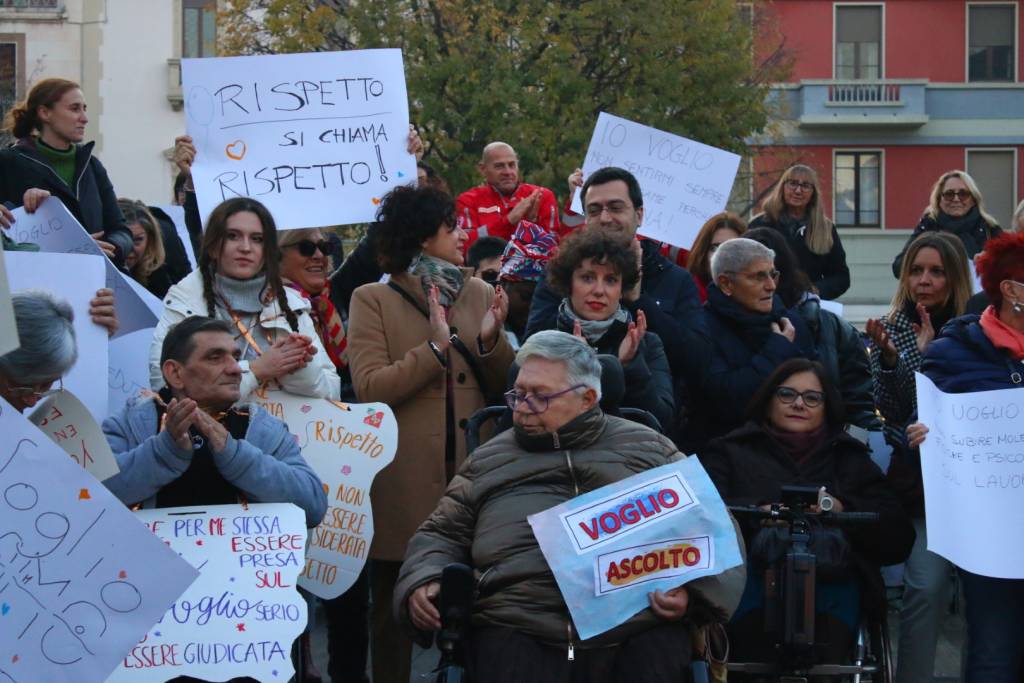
(63,162)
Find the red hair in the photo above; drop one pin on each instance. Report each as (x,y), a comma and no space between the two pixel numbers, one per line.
(1002,259)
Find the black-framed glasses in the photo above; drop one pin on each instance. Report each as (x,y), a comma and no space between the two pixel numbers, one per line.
(308,247)
(811,399)
(35,391)
(962,195)
(535,403)
(800,185)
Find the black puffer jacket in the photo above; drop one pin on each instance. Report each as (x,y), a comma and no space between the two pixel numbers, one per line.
(749,467)
(91,199)
(828,272)
(973,230)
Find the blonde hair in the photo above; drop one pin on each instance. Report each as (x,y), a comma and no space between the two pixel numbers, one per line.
(932,209)
(153,256)
(819,228)
(954,262)
(286,238)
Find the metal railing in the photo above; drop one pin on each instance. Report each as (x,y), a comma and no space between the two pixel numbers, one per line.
(32,4)
(864,92)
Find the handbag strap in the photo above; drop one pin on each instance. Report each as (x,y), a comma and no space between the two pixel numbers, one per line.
(454,340)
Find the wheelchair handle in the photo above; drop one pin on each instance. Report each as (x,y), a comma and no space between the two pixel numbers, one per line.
(789,514)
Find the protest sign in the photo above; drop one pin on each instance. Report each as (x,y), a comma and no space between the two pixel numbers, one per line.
(240,617)
(56,231)
(318,138)
(8,326)
(67,422)
(73,278)
(81,580)
(177,214)
(658,529)
(972,463)
(128,375)
(684,182)
(347,445)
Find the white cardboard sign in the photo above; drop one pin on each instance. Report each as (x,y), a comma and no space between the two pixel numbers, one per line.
(318,138)
(242,614)
(972,462)
(346,445)
(56,231)
(68,423)
(8,326)
(684,182)
(81,580)
(73,278)
(128,375)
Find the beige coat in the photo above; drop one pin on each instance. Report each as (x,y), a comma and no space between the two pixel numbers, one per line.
(392,363)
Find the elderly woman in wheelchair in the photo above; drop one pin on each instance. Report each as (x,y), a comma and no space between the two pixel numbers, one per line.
(807,483)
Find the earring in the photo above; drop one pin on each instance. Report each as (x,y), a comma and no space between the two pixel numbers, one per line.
(1018,307)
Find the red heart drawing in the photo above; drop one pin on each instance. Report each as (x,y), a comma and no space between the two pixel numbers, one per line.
(236,150)
(346,469)
(122,574)
(306,408)
(374,419)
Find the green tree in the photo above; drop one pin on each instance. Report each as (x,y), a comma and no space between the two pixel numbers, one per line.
(536,73)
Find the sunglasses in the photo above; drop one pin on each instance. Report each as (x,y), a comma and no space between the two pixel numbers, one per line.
(950,195)
(308,247)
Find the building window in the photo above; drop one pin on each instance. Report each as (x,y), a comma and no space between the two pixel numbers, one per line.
(991,44)
(858,189)
(992,170)
(199,27)
(858,42)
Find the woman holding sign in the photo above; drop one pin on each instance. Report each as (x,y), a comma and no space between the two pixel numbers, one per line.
(429,343)
(48,160)
(985,353)
(239,280)
(794,208)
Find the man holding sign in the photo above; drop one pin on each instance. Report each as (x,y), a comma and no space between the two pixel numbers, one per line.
(562,446)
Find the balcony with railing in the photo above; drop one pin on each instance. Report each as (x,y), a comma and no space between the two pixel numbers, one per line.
(32,10)
(875,103)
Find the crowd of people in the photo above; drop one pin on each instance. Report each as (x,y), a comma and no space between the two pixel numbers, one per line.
(499,296)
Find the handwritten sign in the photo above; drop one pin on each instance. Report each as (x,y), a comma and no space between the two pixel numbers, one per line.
(128,374)
(8,326)
(684,182)
(656,530)
(972,463)
(346,448)
(81,580)
(318,138)
(56,231)
(73,278)
(242,614)
(67,422)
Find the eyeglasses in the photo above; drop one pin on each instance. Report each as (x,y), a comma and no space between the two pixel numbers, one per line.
(617,208)
(761,277)
(35,391)
(308,247)
(811,399)
(800,185)
(535,403)
(962,195)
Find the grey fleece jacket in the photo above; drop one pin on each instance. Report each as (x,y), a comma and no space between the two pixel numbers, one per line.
(267,466)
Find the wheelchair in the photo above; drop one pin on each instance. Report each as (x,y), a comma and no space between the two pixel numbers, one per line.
(789,610)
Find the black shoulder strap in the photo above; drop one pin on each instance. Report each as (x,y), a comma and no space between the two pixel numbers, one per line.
(408,297)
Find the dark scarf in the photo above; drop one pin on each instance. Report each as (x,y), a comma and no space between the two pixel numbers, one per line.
(789,225)
(799,445)
(939,316)
(962,225)
(753,328)
(579,432)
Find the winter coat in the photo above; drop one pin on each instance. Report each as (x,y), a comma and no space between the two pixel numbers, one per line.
(973,235)
(266,465)
(176,265)
(91,201)
(736,353)
(840,350)
(749,467)
(360,268)
(895,390)
(318,379)
(828,272)
(483,210)
(391,362)
(481,521)
(961,359)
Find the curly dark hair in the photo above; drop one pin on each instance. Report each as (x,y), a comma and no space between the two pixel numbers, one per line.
(407,216)
(606,247)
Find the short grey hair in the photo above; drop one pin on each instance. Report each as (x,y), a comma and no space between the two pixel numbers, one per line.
(48,349)
(736,254)
(581,363)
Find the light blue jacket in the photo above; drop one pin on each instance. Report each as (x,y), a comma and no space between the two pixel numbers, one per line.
(267,466)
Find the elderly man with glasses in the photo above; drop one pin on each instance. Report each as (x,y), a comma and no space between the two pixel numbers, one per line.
(561,445)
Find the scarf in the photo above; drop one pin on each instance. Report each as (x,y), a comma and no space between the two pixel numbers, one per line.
(327,322)
(939,316)
(962,225)
(752,327)
(593,330)
(579,432)
(432,271)
(793,227)
(1002,335)
(245,296)
(799,445)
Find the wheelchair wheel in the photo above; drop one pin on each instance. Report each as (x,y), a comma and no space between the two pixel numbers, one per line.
(874,652)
